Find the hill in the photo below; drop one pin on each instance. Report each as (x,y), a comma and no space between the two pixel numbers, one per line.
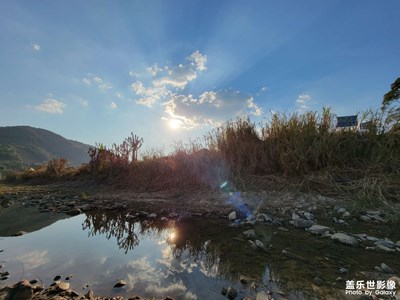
(24,146)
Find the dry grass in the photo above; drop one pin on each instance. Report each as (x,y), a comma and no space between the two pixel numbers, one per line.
(299,152)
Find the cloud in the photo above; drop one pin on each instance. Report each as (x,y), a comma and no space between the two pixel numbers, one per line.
(113,105)
(97,81)
(199,60)
(51,106)
(177,289)
(304,103)
(36,47)
(34,259)
(211,108)
(154,70)
(83,102)
(167,88)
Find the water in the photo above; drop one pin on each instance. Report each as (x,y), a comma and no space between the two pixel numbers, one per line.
(191,260)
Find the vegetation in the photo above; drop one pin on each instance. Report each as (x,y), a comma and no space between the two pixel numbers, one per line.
(298,151)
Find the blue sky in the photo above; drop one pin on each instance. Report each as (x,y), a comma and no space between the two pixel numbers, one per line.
(94,71)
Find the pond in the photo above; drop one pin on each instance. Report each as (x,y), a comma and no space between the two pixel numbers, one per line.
(194,259)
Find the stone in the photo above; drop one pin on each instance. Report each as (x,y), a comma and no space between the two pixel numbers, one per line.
(19,233)
(232,216)
(164,219)
(372,238)
(58,277)
(173,215)
(379,269)
(347,214)
(386,268)
(74,212)
(384,248)
(385,242)
(262,296)
(264,218)
(319,229)
(151,216)
(224,291)
(302,223)
(343,270)
(63,286)
(344,239)
(120,283)
(22,290)
(231,293)
(308,216)
(250,234)
(341,210)
(398,244)
(295,216)
(252,244)
(365,218)
(260,244)
(89,295)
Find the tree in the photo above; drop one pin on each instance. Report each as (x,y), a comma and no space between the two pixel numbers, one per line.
(390,102)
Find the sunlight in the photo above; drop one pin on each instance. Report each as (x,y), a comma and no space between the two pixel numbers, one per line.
(175,124)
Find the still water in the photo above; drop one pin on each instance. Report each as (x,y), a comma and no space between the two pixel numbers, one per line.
(190,260)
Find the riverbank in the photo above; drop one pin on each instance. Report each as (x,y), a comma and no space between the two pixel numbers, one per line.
(332,221)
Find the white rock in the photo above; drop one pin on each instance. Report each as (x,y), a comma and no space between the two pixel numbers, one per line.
(344,239)
(232,216)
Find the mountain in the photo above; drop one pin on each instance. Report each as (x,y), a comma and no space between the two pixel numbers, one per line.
(24,146)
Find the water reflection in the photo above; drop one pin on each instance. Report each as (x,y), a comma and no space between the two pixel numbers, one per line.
(212,246)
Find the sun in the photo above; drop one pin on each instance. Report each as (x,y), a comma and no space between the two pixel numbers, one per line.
(175,124)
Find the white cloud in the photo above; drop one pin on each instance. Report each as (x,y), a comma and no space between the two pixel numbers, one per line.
(36,47)
(199,60)
(51,106)
(212,108)
(209,108)
(154,70)
(34,259)
(177,289)
(113,105)
(303,102)
(96,80)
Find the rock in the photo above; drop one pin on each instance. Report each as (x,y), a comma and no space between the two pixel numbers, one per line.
(89,295)
(250,234)
(164,219)
(318,280)
(344,239)
(63,286)
(384,248)
(33,281)
(224,291)
(343,270)
(173,215)
(19,233)
(260,245)
(398,244)
(385,242)
(386,268)
(252,244)
(371,238)
(308,216)
(231,293)
(262,296)
(232,216)
(283,229)
(319,229)
(373,212)
(151,216)
(341,210)
(142,214)
(302,223)
(74,212)
(264,218)
(22,290)
(58,277)
(346,215)
(295,216)
(365,218)
(120,283)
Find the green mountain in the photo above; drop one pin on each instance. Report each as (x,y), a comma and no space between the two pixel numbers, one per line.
(24,146)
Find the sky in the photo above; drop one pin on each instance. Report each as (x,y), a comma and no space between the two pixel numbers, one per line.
(169,70)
